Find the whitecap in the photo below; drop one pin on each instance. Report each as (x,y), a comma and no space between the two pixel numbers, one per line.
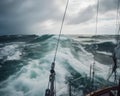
(10,52)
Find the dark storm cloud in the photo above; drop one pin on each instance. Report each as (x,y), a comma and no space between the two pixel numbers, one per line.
(16,16)
(9,15)
(90,12)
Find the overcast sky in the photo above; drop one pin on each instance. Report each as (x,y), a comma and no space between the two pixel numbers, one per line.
(44,16)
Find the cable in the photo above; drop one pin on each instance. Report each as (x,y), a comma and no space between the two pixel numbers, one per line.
(96,30)
(117,40)
(118,33)
(55,86)
(60,30)
(51,90)
(117,21)
(117,29)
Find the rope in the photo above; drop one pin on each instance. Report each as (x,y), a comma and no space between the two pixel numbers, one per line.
(118,33)
(90,72)
(60,31)
(55,86)
(117,39)
(96,30)
(117,21)
(51,90)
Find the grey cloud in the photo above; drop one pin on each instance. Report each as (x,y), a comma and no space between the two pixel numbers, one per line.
(83,16)
(90,12)
(16,16)
(108,5)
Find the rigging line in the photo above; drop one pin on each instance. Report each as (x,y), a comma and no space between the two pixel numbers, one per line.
(60,30)
(117,21)
(90,72)
(96,30)
(55,86)
(51,90)
(116,33)
(96,27)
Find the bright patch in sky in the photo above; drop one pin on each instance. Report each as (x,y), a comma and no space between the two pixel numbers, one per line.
(48,24)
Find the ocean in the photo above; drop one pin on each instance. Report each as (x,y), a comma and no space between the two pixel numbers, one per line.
(25,62)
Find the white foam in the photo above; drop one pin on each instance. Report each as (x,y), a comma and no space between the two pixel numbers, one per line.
(105,53)
(10,52)
(83,64)
(32,79)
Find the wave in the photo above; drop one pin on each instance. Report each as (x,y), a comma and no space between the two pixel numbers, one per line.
(10,52)
(16,38)
(41,38)
(31,62)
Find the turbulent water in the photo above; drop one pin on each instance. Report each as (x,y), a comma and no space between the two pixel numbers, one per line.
(25,62)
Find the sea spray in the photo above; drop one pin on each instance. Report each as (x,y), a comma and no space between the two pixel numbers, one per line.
(33,58)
